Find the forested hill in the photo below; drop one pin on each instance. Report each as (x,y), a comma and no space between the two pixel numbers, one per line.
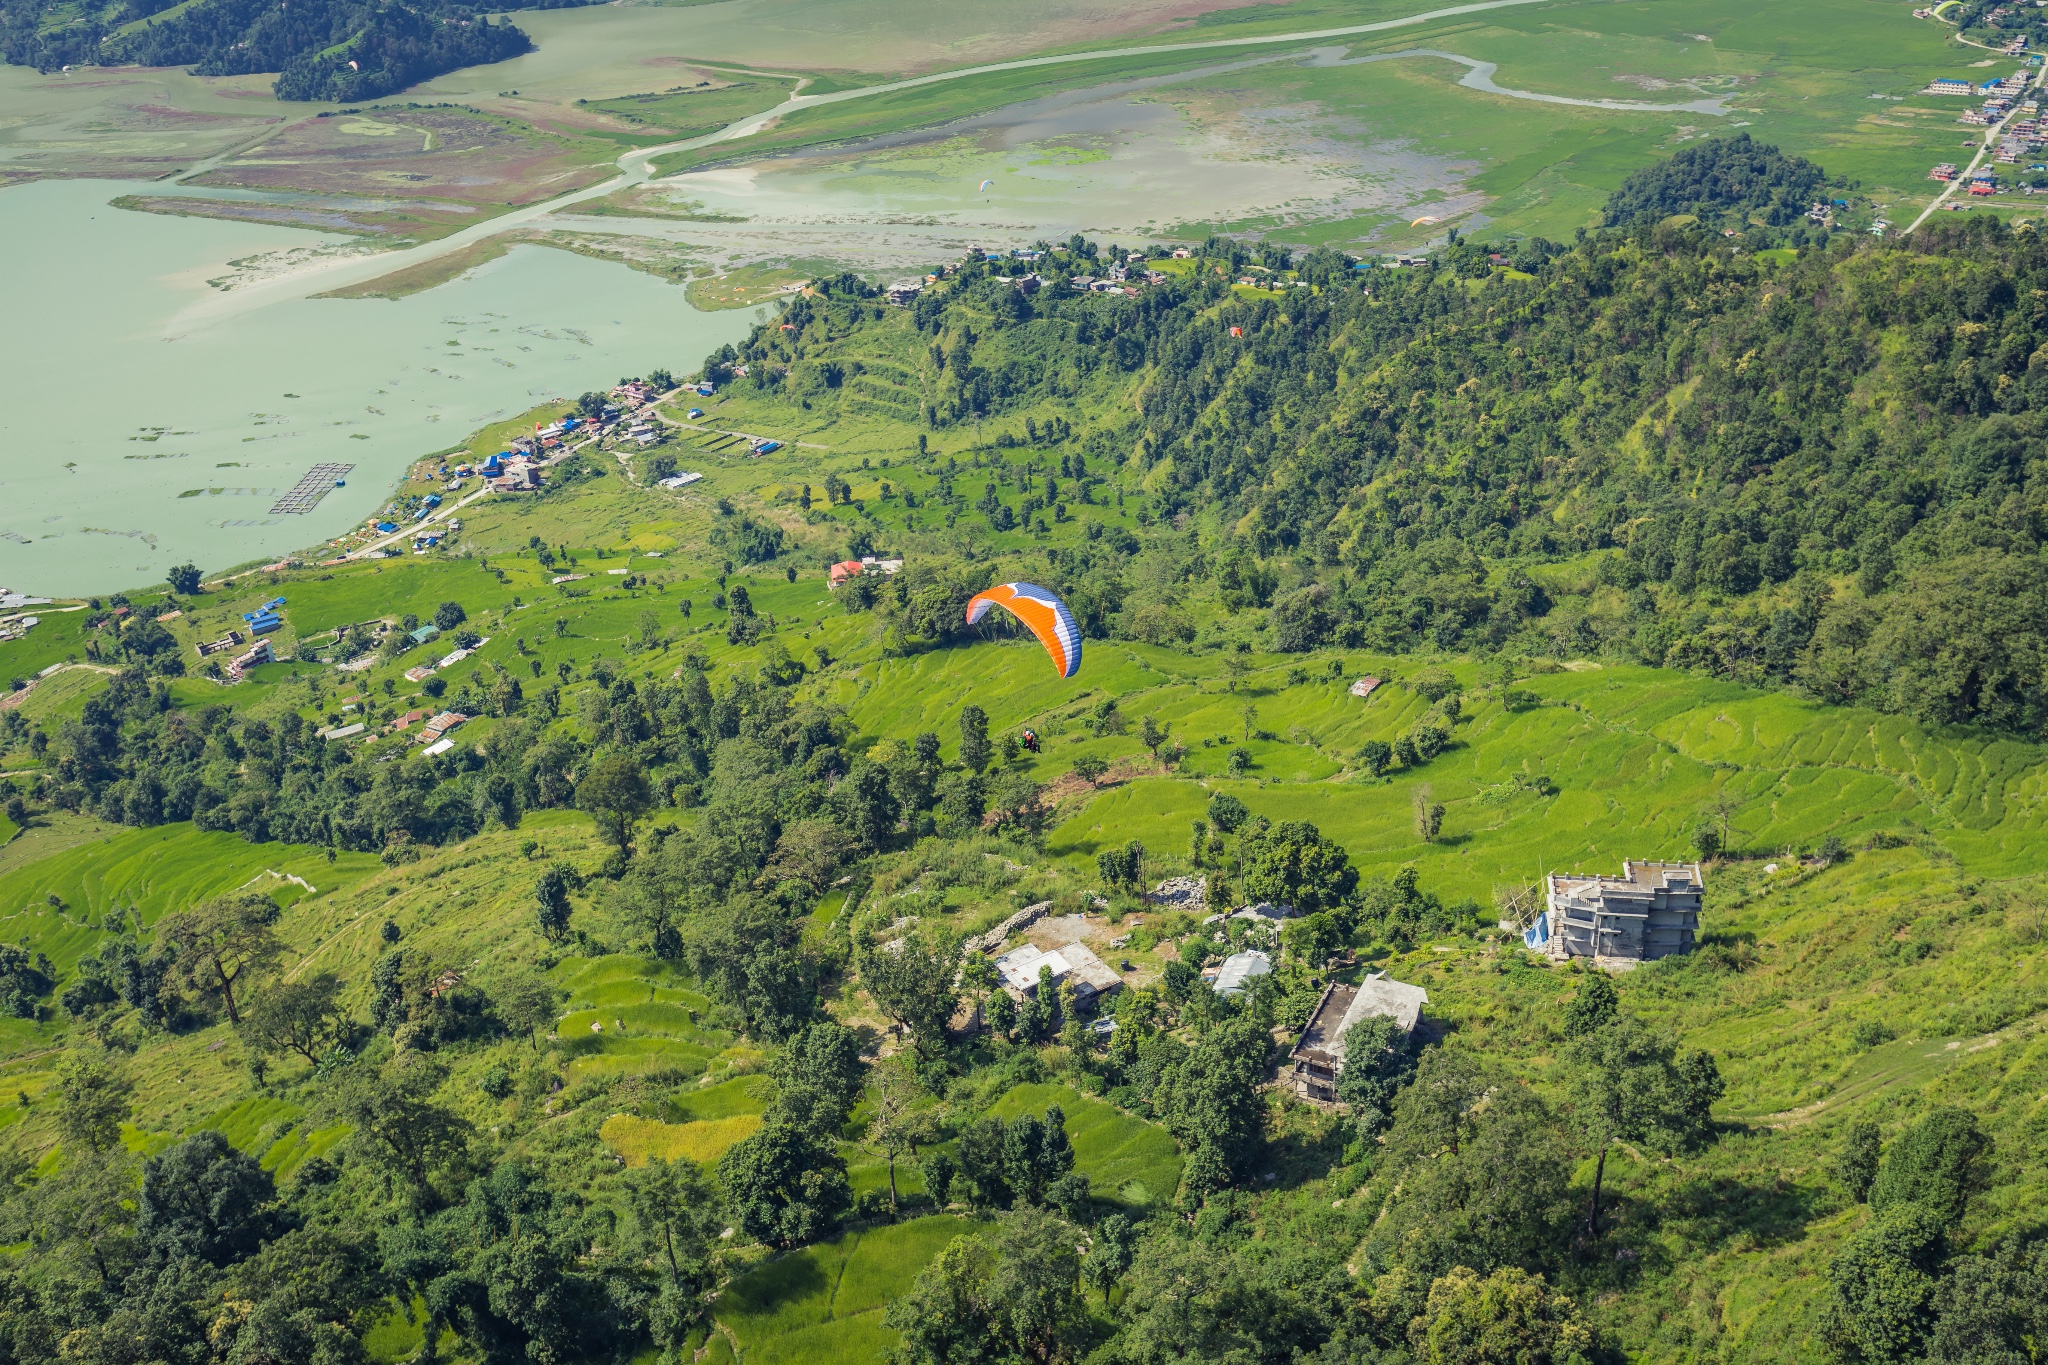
(323,49)
(1819,468)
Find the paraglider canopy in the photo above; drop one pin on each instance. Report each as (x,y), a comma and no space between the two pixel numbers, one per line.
(1044,614)
(988,184)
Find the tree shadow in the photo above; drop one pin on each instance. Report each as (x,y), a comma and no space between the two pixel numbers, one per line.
(1716,1211)
(1309,1150)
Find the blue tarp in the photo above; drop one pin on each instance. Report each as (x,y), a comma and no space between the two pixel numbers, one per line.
(1537,934)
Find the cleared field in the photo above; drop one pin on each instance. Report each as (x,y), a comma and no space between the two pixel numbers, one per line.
(638,1139)
(825,1302)
(1127,1160)
(461,155)
(399,219)
(150,872)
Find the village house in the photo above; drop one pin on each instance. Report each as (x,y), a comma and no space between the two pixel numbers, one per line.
(1073,964)
(1318,1056)
(242,663)
(1651,910)
(1236,972)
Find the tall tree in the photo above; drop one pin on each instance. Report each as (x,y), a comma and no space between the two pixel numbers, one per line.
(1207,1096)
(551,906)
(1012,1293)
(675,1225)
(900,1124)
(398,1125)
(1594,1007)
(974,746)
(913,983)
(1379,1058)
(204,1199)
(1887,1286)
(526,1003)
(1939,1162)
(303,1016)
(819,1075)
(1509,1315)
(81,1217)
(219,945)
(785,1185)
(92,1101)
(1291,863)
(1628,1084)
(616,793)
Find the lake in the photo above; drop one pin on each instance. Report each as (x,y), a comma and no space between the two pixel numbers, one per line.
(113,412)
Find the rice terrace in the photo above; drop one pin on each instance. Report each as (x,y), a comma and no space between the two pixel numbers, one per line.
(1333,680)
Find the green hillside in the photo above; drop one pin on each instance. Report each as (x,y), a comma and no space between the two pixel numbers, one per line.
(644,997)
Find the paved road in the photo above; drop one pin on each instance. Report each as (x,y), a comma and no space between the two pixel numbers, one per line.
(1962,180)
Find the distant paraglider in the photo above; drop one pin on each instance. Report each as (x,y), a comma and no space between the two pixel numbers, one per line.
(987,185)
(1042,613)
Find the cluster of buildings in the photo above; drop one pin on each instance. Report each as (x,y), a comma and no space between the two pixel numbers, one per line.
(434,734)
(421,672)
(2000,96)
(1648,912)
(1124,275)
(516,470)
(17,625)
(854,568)
(242,663)
(265,619)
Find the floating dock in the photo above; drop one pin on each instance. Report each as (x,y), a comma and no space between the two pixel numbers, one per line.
(318,482)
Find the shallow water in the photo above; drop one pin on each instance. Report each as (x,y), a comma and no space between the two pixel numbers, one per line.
(242,407)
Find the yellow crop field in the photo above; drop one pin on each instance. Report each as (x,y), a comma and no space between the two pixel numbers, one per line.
(637,1139)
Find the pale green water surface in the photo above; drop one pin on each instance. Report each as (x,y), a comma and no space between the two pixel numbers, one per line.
(241,406)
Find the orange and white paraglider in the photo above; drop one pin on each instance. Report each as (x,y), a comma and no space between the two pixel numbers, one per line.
(1042,613)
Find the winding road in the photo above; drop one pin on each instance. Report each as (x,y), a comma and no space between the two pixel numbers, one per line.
(636,167)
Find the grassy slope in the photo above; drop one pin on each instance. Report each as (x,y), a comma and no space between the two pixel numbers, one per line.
(825,1301)
(1125,1159)
(1635,753)
(1734,1243)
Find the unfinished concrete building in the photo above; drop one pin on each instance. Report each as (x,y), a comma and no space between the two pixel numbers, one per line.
(1318,1057)
(1651,910)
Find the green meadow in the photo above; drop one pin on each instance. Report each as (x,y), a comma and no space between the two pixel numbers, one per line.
(825,1302)
(1127,1160)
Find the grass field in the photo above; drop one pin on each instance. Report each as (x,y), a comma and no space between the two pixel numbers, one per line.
(638,1139)
(1127,1160)
(149,872)
(825,1302)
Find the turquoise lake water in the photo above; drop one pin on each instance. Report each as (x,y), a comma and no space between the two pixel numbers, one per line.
(240,407)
